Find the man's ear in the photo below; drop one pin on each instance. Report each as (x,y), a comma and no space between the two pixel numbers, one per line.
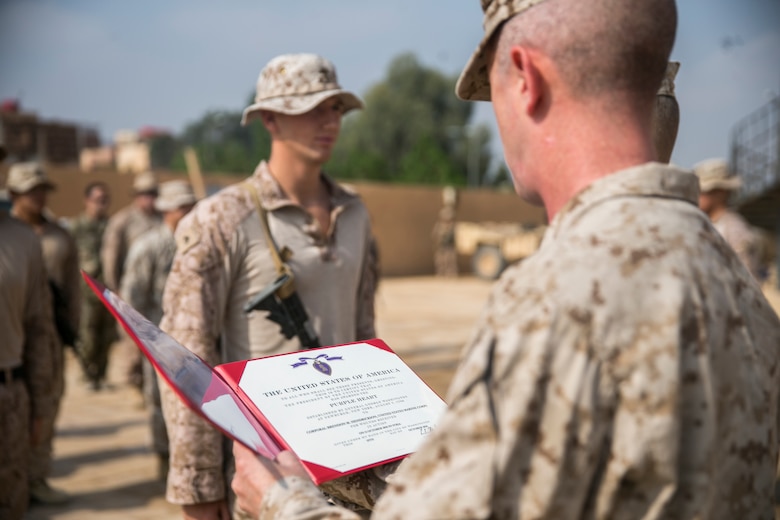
(269,121)
(529,80)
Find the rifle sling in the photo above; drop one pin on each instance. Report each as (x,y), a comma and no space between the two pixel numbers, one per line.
(277,256)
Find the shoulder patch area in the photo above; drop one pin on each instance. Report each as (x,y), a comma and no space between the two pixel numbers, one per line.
(188,237)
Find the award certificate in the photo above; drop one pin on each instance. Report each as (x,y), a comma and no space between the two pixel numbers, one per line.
(343,407)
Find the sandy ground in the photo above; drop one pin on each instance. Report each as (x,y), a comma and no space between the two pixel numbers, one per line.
(102,454)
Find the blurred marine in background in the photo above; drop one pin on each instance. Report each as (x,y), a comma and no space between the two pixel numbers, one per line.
(26,361)
(29,188)
(122,230)
(148,264)
(97,330)
(717,185)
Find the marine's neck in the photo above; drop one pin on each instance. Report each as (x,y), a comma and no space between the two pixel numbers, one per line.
(31,218)
(578,150)
(300,179)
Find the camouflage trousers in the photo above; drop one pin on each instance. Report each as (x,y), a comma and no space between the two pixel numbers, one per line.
(128,357)
(41,454)
(14,449)
(97,332)
(446,261)
(154,405)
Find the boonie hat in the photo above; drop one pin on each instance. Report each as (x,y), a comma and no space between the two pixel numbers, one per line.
(714,174)
(294,84)
(474,84)
(174,195)
(145,182)
(23,177)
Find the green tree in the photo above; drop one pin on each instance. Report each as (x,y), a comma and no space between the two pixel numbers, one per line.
(223,145)
(500,177)
(413,129)
(162,150)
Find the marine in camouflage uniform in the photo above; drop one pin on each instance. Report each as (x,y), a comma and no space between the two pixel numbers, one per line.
(148,264)
(29,187)
(445,255)
(628,369)
(122,230)
(97,330)
(717,185)
(25,359)
(126,226)
(223,259)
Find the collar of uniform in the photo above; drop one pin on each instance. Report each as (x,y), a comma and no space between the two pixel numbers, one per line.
(273,197)
(646,180)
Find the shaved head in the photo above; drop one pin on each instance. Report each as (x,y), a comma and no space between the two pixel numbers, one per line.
(598,46)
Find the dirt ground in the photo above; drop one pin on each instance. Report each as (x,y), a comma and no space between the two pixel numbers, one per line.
(102,455)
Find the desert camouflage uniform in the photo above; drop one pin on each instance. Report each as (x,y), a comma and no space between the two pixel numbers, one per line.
(148,264)
(122,230)
(28,339)
(61,260)
(738,234)
(445,256)
(627,370)
(222,261)
(97,329)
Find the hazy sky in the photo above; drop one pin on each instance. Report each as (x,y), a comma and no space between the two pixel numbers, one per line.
(117,64)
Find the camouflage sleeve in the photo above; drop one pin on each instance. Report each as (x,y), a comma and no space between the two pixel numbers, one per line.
(295,498)
(73,282)
(39,334)
(136,283)
(361,489)
(193,302)
(369,281)
(112,251)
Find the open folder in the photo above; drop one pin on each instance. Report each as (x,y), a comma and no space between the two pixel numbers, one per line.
(340,409)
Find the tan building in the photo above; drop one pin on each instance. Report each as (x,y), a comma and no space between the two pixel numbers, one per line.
(130,153)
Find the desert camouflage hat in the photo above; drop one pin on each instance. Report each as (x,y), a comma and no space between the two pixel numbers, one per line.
(145,182)
(474,84)
(174,195)
(714,174)
(23,177)
(294,84)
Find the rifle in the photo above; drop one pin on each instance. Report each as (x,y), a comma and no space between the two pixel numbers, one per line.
(284,307)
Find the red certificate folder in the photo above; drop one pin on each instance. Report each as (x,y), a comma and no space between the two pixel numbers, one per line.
(341,409)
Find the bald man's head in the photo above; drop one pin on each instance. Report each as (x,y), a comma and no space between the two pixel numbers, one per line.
(598,46)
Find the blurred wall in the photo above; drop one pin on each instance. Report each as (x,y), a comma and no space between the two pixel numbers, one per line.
(402,216)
